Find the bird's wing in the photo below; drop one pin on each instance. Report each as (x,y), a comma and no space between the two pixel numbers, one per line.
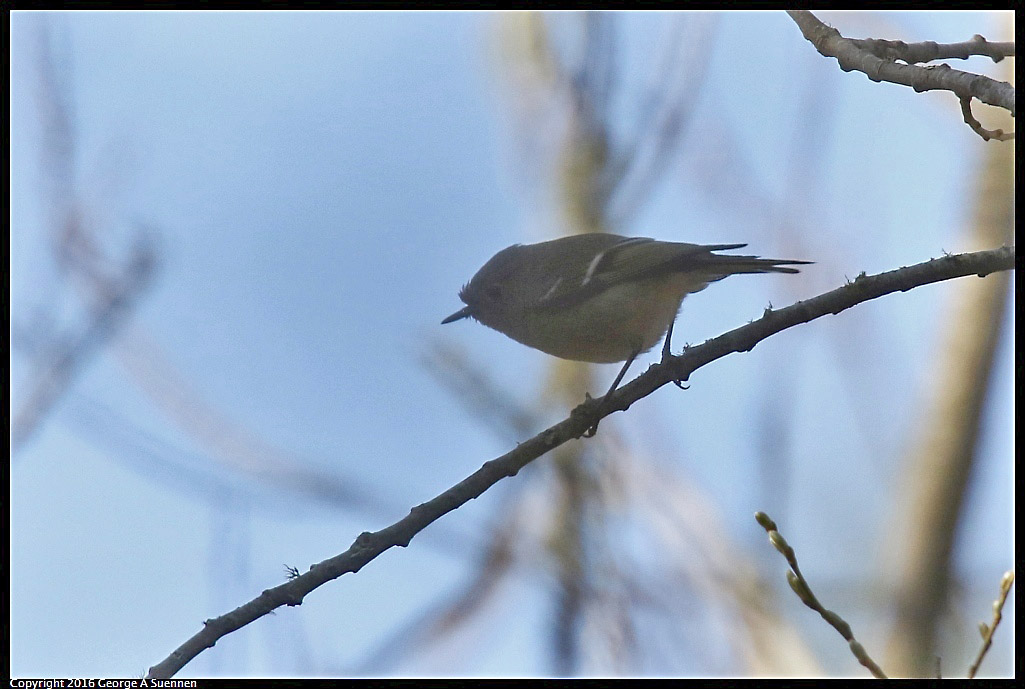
(626,260)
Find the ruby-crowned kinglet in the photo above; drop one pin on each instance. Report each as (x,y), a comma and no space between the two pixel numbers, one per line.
(598,297)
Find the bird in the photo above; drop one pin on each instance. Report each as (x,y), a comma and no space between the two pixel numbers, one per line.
(598,297)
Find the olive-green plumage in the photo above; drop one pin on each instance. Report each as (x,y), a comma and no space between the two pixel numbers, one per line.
(597,297)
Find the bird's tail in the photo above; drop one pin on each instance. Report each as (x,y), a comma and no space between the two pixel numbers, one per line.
(732,265)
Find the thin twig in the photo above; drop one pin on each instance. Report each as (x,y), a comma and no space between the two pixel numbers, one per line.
(369,545)
(986,134)
(800,586)
(927,51)
(987,630)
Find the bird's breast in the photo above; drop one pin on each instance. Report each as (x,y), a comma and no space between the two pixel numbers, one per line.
(607,327)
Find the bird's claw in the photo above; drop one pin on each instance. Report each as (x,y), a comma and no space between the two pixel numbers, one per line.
(587,408)
(591,407)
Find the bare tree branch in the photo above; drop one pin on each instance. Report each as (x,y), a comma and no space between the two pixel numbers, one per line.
(368,546)
(800,586)
(927,51)
(987,630)
(986,134)
(851,56)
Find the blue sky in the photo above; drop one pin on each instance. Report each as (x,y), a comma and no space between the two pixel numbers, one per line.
(319,186)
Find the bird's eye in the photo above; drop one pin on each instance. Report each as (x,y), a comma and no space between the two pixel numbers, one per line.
(493,292)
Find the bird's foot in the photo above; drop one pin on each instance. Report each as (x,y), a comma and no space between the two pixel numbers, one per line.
(666,355)
(590,408)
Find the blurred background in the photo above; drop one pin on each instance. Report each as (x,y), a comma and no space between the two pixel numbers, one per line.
(233,239)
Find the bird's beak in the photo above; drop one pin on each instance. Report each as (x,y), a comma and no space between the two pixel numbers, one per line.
(460,314)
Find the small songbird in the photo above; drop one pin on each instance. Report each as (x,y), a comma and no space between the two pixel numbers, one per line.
(598,297)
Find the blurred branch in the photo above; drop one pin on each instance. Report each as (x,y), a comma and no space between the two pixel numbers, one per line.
(496,560)
(53,97)
(233,444)
(111,287)
(852,56)
(481,396)
(371,544)
(115,285)
(653,104)
(596,76)
(113,304)
(668,111)
(988,630)
(583,158)
(706,570)
(476,391)
(569,548)
(800,586)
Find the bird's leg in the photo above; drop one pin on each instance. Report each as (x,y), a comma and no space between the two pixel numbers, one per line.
(589,433)
(665,347)
(666,354)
